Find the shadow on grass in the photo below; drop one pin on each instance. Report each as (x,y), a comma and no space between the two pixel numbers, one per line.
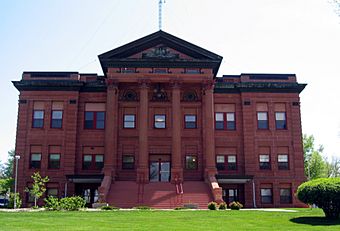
(315,221)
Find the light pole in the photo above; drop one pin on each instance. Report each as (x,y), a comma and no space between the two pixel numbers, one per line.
(17,157)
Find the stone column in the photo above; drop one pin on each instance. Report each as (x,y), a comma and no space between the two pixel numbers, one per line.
(143,165)
(209,132)
(111,124)
(111,138)
(176,169)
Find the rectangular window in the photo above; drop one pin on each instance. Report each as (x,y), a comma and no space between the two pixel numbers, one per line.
(159,121)
(87,162)
(129,121)
(100,119)
(57,119)
(231,121)
(282,161)
(191,162)
(93,162)
(35,160)
(38,119)
(225,121)
(160,70)
(52,192)
(99,161)
(262,120)
(220,162)
(94,120)
(89,119)
(192,71)
(219,121)
(264,161)
(266,196)
(280,120)
(285,196)
(54,161)
(190,121)
(232,162)
(128,162)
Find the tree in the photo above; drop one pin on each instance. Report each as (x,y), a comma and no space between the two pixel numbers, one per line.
(7,168)
(5,185)
(333,168)
(315,166)
(38,187)
(323,192)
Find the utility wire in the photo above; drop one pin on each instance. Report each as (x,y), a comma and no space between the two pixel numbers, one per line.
(94,33)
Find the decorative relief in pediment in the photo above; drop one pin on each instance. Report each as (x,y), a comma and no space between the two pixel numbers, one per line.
(161,52)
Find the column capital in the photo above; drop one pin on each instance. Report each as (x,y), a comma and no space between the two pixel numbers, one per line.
(176,83)
(208,85)
(144,83)
(112,84)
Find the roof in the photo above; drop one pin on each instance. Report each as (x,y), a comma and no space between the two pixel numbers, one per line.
(120,57)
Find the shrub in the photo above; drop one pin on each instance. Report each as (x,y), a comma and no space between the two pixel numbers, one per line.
(142,207)
(324,193)
(108,207)
(11,200)
(222,206)
(212,205)
(181,208)
(235,205)
(72,203)
(52,203)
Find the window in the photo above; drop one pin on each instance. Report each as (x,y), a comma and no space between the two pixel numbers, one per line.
(160,70)
(192,71)
(220,162)
(232,162)
(219,121)
(159,121)
(128,162)
(280,120)
(266,196)
(57,119)
(52,192)
(285,196)
(38,119)
(190,121)
(262,120)
(282,160)
(99,161)
(87,162)
(35,160)
(190,162)
(93,162)
(57,114)
(54,161)
(231,121)
(129,121)
(225,121)
(94,120)
(264,161)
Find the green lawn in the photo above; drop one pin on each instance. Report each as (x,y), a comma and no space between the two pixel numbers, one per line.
(304,219)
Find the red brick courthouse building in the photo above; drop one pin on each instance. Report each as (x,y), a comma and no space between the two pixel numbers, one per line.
(161,129)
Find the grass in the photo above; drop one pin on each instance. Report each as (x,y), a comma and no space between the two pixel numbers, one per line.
(304,219)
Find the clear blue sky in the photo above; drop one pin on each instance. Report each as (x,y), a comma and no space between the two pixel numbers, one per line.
(259,36)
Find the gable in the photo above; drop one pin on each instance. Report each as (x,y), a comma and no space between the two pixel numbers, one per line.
(160,49)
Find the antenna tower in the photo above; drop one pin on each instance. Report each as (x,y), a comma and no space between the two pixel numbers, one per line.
(160,4)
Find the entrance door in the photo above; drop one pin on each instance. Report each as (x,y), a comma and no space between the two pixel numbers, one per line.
(159,171)
(89,192)
(230,195)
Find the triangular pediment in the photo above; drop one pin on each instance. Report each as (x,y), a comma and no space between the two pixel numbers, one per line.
(159,47)
(157,40)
